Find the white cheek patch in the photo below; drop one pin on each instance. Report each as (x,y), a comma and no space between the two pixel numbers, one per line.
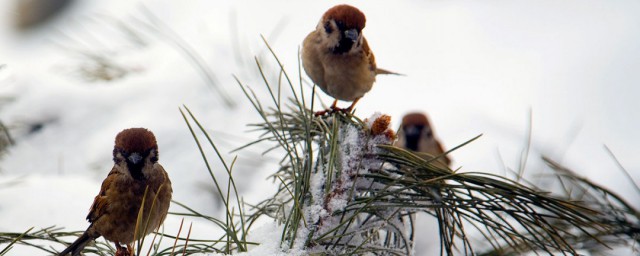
(333,38)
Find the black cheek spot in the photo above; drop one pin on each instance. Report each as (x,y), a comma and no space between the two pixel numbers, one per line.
(327,27)
(115,154)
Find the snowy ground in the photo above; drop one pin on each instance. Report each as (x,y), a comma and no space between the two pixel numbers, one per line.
(474,66)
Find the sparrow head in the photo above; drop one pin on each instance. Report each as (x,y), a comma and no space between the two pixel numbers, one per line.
(135,147)
(415,127)
(341,27)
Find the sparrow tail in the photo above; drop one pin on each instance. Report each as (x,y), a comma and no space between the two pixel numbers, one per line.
(76,247)
(380,71)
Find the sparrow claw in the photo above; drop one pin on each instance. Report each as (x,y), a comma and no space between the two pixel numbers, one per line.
(333,109)
(346,111)
(322,112)
(122,251)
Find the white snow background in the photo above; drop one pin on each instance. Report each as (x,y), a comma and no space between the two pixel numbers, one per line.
(476,67)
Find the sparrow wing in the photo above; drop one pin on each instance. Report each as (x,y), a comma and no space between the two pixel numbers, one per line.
(164,192)
(311,61)
(367,52)
(100,202)
(444,158)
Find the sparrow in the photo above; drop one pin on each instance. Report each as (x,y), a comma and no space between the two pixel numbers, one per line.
(416,134)
(114,212)
(31,13)
(337,57)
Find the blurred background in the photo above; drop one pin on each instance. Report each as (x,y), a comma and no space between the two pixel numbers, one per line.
(559,76)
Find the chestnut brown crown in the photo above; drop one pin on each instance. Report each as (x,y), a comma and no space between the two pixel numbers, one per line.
(415,118)
(349,16)
(136,140)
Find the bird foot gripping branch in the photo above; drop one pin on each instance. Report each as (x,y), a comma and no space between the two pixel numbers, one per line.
(335,109)
(124,251)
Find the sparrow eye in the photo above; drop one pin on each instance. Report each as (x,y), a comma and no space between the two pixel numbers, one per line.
(429,133)
(327,27)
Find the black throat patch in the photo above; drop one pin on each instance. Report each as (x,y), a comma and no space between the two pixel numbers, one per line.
(136,170)
(343,46)
(412,134)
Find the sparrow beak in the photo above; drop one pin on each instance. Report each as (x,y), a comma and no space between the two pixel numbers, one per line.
(411,131)
(135,158)
(351,34)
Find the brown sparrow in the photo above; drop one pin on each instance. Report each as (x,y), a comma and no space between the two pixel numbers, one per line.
(338,59)
(416,134)
(115,209)
(31,13)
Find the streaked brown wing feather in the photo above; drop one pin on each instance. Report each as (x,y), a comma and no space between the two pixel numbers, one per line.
(367,52)
(445,158)
(100,202)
